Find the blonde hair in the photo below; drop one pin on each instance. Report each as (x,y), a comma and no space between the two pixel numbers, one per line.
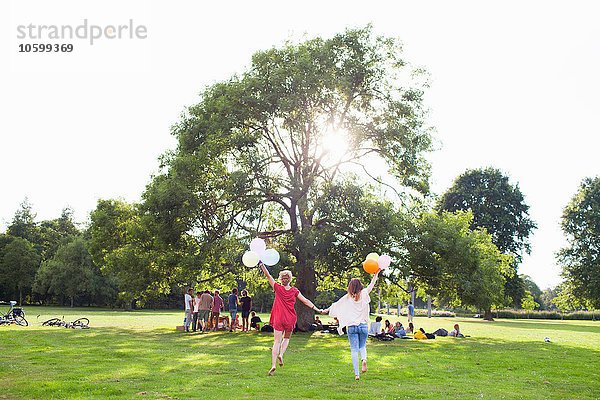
(286,272)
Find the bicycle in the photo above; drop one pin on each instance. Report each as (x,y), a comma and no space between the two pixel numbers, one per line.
(80,323)
(15,315)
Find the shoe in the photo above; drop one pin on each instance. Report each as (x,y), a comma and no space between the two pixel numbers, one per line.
(356,377)
(280,359)
(271,372)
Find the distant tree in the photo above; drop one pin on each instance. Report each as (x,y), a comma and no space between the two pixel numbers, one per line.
(581,258)
(500,208)
(532,288)
(528,303)
(546,299)
(457,265)
(24,226)
(18,266)
(57,231)
(71,273)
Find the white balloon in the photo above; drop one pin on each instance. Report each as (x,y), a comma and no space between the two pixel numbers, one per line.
(270,257)
(250,259)
(258,245)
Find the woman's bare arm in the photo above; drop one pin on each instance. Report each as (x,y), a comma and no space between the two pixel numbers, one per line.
(373,281)
(267,274)
(307,302)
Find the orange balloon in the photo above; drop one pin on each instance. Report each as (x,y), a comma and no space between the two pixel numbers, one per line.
(370,266)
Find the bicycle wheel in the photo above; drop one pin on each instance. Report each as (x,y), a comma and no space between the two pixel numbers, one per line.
(51,322)
(80,323)
(20,320)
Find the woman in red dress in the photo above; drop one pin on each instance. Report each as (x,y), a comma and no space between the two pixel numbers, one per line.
(283,314)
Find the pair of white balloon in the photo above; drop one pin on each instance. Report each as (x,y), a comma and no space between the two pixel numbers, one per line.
(259,252)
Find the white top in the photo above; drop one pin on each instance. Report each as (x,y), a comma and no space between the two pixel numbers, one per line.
(196,304)
(375,328)
(187,300)
(350,312)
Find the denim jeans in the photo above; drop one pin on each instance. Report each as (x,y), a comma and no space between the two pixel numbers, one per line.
(357,335)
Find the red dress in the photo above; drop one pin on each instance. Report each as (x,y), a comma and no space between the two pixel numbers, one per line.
(283,314)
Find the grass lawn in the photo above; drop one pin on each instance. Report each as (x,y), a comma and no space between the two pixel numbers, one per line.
(140,355)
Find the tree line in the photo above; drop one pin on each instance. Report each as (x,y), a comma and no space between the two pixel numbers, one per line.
(253,159)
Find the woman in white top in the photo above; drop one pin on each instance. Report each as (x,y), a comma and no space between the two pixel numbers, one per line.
(352,310)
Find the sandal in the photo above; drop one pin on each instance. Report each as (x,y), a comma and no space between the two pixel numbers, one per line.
(364,366)
(280,359)
(271,372)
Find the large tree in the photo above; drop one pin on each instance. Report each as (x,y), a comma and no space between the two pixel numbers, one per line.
(581,258)
(285,149)
(500,208)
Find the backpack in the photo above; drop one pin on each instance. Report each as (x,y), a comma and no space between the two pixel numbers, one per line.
(266,328)
(441,332)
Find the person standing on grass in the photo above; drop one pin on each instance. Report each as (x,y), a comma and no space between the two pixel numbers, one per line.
(411,312)
(246,302)
(233,303)
(353,310)
(283,315)
(188,304)
(196,311)
(206,301)
(217,305)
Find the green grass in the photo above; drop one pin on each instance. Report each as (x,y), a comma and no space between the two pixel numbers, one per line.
(140,355)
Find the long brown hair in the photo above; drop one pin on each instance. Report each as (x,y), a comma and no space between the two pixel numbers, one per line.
(354,288)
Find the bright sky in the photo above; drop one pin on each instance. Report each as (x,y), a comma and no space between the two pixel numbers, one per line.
(514,85)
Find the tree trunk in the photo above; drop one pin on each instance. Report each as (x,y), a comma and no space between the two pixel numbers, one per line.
(428,306)
(72,301)
(20,297)
(306,283)
(488,315)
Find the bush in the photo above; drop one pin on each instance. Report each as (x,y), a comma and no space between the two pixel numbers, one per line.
(524,314)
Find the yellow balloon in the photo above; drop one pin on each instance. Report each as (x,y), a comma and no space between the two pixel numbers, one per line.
(373,256)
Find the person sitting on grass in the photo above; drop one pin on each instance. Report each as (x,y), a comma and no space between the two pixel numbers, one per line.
(399,330)
(456,332)
(254,321)
(318,324)
(411,328)
(375,328)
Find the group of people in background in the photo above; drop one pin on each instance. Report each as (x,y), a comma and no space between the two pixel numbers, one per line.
(203,312)
(391,331)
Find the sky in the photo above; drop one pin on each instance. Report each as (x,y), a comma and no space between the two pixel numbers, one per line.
(513,85)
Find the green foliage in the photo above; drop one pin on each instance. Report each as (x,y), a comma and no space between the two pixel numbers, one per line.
(500,208)
(71,274)
(18,266)
(457,265)
(24,226)
(497,206)
(252,160)
(581,258)
(528,303)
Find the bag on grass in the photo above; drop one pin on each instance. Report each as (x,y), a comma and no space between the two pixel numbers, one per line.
(266,328)
(441,332)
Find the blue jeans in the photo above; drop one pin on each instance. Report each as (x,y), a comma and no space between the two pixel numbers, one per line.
(357,335)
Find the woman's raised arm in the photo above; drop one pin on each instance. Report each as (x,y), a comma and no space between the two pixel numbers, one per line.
(267,274)
(372,284)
